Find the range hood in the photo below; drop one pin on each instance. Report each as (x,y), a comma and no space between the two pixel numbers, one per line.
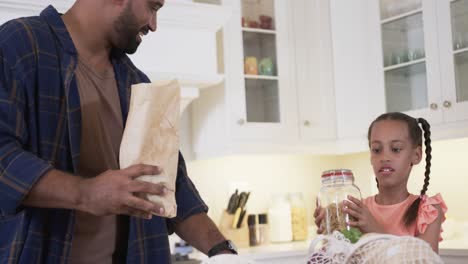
(182,48)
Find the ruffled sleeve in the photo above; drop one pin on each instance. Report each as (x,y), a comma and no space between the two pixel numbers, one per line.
(428,212)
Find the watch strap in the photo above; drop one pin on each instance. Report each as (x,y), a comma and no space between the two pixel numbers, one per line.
(225,245)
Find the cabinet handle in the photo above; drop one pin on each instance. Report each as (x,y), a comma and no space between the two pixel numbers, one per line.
(240,122)
(447,104)
(434,106)
(306,123)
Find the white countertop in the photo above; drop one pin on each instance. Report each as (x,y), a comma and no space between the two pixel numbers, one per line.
(273,250)
(301,248)
(457,248)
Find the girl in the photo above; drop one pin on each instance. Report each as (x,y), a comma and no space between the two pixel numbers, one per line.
(395,141)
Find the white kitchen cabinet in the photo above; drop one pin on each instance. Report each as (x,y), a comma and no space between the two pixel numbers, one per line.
(251,111)
(288,110)
(409,58)
(424,47)
(358,84)
(452,17)
(314,71)
(261,99)
(403,56)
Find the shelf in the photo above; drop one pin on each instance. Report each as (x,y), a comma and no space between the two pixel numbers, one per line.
(460,50)
(407,14)
(260,77)
(259,30)
(190,84)
(405,64)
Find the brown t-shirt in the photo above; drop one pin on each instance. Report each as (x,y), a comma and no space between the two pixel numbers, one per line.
(94,238)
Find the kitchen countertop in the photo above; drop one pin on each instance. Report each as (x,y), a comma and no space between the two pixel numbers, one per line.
(299,250)
(458,247)
(274,250)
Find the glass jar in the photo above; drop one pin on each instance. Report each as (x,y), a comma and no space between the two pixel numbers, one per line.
(279,215)
(298,216)
(336,186)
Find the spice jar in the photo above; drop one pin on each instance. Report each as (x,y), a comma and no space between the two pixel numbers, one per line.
(298,216)
(253,230)
(336,186)
(263,229)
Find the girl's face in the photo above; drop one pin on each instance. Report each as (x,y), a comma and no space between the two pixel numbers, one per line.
(392,153)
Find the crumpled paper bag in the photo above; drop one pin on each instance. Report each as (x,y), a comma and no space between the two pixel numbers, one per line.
(151,136)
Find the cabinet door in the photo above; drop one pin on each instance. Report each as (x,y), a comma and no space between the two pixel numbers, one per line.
(453,30)
(410,57)
(314,70)
(260,91)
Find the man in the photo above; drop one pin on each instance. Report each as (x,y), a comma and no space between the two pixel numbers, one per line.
(64,92)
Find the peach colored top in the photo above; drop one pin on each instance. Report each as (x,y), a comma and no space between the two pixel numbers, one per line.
(391,216)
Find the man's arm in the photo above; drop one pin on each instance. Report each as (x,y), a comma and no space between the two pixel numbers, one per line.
(109,193)
(192,223)
(199,231)
(55,189)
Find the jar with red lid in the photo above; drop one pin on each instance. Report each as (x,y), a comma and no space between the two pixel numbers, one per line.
(336,186)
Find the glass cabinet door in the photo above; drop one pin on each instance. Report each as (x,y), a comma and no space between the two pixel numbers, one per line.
(260,61)
(459,19)
(404,55)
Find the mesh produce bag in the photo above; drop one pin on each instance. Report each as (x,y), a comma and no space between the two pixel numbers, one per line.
(371,248)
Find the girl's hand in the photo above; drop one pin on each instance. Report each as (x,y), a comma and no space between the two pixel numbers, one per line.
(319,214)
(363,218)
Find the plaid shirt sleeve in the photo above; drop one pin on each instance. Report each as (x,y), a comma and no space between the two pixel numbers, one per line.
(188,199)
(19,169)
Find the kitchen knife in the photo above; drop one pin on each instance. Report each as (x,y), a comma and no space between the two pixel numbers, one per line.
(232,205)
(236,217)
(241,218)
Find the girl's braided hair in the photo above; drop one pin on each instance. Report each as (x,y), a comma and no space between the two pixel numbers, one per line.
(415,134)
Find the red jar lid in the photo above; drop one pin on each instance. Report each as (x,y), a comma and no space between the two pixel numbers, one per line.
(338,173)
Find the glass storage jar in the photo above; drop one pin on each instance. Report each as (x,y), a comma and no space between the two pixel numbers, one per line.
(336,186)
(279,215)
(298,216)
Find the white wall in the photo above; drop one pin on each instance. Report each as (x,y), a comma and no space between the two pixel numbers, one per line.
(273,174)
(265,175)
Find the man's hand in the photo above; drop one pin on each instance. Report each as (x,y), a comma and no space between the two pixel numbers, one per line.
(319,214)
(363,218)
(113,192)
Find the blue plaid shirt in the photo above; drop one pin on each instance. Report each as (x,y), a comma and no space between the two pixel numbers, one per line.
(40,125)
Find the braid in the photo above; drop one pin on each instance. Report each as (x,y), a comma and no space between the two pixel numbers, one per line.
(412,212)
(427,143)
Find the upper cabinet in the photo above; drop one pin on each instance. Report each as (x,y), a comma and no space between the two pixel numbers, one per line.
(408,33)
(277,95)
(310,75)
(453,30)
(259,77)
(408,56)
(424,55)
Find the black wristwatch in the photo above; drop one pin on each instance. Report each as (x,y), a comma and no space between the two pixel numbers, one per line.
(225,245)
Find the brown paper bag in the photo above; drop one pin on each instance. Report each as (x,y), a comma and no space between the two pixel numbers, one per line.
(151,136)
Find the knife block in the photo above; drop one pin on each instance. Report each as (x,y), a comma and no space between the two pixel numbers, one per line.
(240,236)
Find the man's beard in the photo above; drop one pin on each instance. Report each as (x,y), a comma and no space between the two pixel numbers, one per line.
(127,30)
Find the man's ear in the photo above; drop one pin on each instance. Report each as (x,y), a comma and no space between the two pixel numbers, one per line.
(417,156)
